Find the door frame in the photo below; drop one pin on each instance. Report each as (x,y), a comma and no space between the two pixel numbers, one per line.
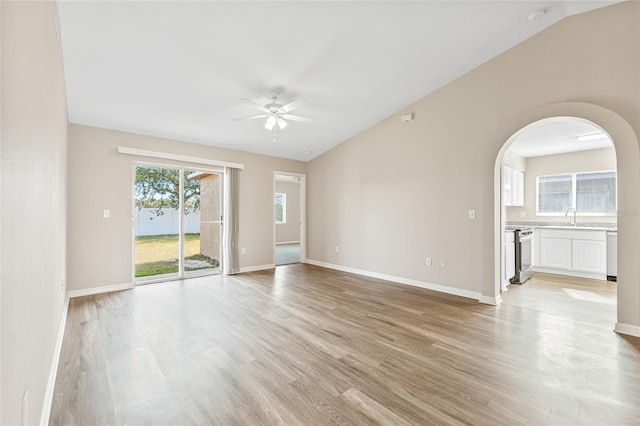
(180,275)
(303,214)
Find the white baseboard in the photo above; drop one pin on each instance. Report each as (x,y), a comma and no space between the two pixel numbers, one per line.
(631,330)
(399,280)
(99,290)
(288,242)
(570,273)
(488,300)
(53,372)
(256,268)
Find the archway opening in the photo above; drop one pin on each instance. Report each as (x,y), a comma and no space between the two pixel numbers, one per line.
(558,216)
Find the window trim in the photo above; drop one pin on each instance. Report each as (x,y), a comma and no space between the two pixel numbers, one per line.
(574,194)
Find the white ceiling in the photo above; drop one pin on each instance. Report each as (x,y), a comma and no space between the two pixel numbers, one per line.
(556,136)
(177,69)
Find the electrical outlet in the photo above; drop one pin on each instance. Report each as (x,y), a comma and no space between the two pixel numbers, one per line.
(428,261)
(522,214)
(243,250)
(472,214)
(337,249)
(443,263)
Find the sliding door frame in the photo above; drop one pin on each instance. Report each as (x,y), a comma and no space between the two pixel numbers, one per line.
(181,168)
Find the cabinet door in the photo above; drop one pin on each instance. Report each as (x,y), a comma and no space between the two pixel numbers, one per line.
(507,185)
(590,256)
(518,188)
(555,253)
(510,260)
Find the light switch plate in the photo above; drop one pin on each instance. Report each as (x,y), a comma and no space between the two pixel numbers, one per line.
(472,214)
(106,214)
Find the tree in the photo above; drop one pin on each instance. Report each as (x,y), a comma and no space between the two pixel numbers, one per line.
(159,188)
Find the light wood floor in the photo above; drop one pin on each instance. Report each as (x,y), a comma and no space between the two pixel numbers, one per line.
(309,346)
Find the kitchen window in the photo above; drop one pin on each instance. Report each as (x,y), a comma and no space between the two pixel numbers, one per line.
(591,194)
(281,207)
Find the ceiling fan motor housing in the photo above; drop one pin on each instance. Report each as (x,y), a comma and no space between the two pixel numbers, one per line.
(274,108)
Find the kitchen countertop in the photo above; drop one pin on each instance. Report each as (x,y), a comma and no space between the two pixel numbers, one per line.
(586,226)
(577,228)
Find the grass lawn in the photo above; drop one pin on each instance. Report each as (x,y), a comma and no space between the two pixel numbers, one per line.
(158,254)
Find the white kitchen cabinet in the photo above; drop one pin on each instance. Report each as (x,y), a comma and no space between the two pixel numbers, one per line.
(590,256)
(509,261)
(507,185)
(513,186)
(576,252)
(612,255)
(518,188)
(555,253)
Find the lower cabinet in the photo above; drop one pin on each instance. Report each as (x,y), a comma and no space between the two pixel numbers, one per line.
(573,251)
(509,256)
(590,256)
(555,253)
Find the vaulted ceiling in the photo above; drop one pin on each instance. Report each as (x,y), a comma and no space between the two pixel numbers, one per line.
(178,69)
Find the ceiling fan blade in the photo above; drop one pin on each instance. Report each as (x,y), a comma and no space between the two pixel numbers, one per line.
(298,118)
(251,117)
(293,105)
(281,123)
(254,104)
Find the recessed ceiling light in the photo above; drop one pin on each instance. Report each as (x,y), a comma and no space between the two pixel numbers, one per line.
(307,152)
(591,137)
(536,16)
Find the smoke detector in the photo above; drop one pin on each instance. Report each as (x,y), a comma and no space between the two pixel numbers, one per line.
(536,16)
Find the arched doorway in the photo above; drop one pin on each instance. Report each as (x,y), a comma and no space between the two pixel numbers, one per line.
(628,161)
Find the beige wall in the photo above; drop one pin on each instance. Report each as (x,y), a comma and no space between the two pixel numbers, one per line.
(584,161)
(290,231)
(100,250)
(399,192)
(33,165)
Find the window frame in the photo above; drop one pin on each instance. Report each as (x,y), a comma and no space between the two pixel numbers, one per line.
(574,194)
(284,208)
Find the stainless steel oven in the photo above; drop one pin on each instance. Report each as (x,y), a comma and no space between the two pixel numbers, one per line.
(524,261)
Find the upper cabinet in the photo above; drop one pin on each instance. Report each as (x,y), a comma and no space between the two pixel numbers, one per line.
(513,186)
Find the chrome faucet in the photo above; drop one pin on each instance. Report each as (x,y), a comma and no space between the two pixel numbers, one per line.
(572,222)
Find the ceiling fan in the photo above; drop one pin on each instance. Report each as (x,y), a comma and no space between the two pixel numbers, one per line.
(276,113)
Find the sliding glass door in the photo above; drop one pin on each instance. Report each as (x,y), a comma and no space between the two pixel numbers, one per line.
(177,223)
(203,222)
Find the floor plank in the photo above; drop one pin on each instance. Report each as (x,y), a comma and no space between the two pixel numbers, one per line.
(306,345)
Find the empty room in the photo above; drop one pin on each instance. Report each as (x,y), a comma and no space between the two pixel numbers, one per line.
(320,212)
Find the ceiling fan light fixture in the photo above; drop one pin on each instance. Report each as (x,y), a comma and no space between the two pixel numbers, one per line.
(276,113)
(271,121)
